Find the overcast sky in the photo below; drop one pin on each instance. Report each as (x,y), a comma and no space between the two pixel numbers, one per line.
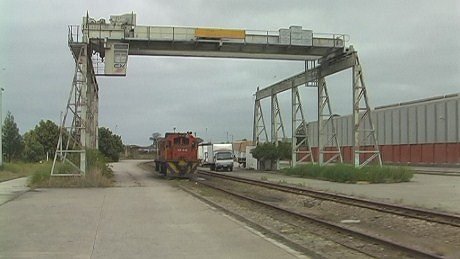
(409,50)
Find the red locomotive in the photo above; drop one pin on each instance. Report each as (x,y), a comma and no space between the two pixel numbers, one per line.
(177,155)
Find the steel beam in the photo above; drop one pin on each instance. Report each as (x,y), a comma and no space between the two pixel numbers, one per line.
(221,52)
(326,68)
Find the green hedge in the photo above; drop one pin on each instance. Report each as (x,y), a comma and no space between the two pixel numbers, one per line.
(345,173)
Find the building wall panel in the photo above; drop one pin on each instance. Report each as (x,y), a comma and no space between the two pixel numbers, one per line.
(395,127)
(343,131)
(387,127)
(426,131)
(441,123)
(416,153)
(397,153)
(412,111)
(453,153)
(387,153)
(430,120)
(421,124)
(350,124)
(440,153)
(405,153)
(427,153)
(347,154)
(404,126)
(452,121)
(343,137)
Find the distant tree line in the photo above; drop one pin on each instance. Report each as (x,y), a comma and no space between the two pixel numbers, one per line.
(40,143)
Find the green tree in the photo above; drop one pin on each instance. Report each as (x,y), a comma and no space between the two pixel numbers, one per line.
(110,144)
(265,151)
(41,141)
(269,151)
(33,149)
(12,141)
(285,150)
(47,134)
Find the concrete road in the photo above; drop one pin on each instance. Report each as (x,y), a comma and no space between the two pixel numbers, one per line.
(143,217)
(12,189)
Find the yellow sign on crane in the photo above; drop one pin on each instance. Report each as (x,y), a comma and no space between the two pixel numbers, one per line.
(219,33)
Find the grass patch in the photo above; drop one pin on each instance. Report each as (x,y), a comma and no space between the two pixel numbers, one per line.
(99,174)
(344,173)
(15,170)
(93,178)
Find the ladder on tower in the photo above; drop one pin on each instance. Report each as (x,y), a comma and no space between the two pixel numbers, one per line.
(70,155)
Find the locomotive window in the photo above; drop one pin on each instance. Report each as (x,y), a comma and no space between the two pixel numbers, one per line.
(185,141)
(177,141)
(169,143)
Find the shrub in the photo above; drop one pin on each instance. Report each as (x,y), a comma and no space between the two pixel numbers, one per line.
(345,173)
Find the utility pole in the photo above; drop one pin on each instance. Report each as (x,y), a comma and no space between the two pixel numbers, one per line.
(1,127)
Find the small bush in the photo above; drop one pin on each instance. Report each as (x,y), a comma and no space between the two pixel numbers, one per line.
(345,173)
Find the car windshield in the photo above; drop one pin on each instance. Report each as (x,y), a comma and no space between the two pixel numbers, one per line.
(224,156)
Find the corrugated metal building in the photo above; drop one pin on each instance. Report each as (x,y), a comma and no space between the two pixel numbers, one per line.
(419,132)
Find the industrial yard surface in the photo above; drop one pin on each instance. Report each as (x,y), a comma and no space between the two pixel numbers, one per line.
(143,217)
(427,191)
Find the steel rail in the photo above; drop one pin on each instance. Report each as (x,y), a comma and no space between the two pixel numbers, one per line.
(381,240)
(418,213)
(435,172)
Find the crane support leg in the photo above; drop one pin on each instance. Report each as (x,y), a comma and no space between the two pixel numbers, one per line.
(259,124)
(361,114)
(79,125)
(327,135)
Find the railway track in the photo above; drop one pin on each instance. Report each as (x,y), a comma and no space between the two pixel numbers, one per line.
(406,211)
(436,172)
(371,237)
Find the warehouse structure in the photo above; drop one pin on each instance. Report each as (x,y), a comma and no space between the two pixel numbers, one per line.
(424,131)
